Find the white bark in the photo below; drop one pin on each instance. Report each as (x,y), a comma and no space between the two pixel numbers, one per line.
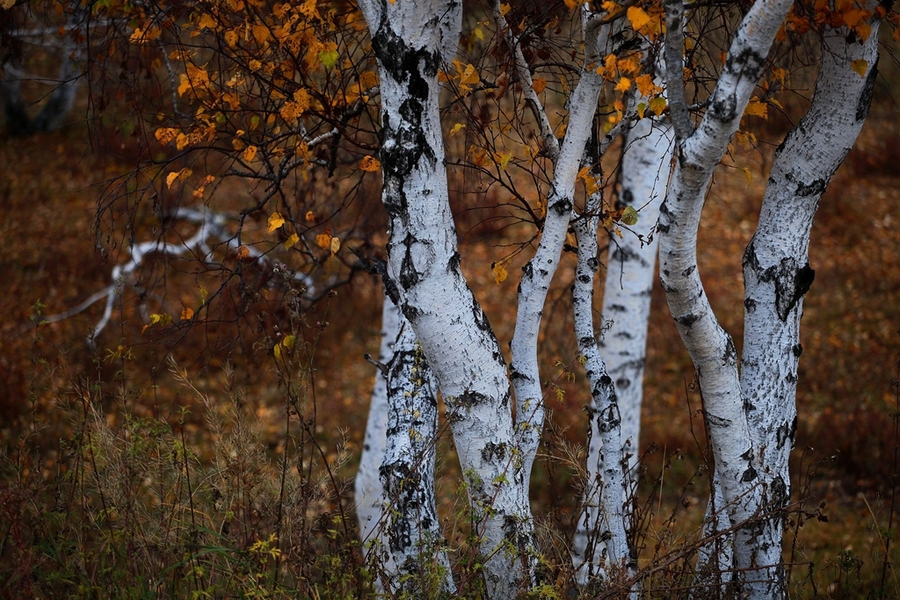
(710,347)
(777,274)
(538,273)
(600,546)
(617,386)
(646,165)
(410,40)
(369,490)
(407,474)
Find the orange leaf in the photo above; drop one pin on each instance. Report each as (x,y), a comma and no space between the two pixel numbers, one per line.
(310,217)
(243,253)
(369,164)
(500,273)
(324,240)
(539,85)
(249,153)
(638,17)
(187,314)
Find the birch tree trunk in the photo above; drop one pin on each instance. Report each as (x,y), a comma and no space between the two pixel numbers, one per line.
(711,348)
(410,40)
(539,271)
(617,385)
(777,273)
(407,474)
(646,165)
(370,509)
(600,546)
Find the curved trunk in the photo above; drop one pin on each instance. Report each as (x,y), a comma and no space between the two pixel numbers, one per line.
(777,273)
(711,348)
(409,41)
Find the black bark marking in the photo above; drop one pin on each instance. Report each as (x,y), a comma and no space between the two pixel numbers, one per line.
(562,207)
(481,320)
(791,283)
(608,418)
(749,305)
(623,383)
(587,341)
(493,452)
(865,97)
(409,277)
(453,263)
(797,349)
(749,475)
(665,217)
(688,319)
(688,271)
(584,279)
(626,198)
(730,355)
(779,492)
(619,308)
(813,188)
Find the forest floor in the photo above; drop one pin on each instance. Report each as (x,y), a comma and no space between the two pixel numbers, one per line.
(845,462)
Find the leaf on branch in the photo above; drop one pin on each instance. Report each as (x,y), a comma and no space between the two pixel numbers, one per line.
(310,217)
(624,85)
(275,221)
(629,216)
(187,314)
(748,175)
(638,17)
(455,129)
(504,8)
(324,240)
(293,239)
(538,84)
(177,175)
(369,164)
(860,67)
(243,253)
(328,58)
(249,153)
(658,105)
(573,4)
(756,108)
(335,245)
(499,270)
(590,182)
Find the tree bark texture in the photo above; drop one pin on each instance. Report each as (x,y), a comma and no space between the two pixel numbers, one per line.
(410,40)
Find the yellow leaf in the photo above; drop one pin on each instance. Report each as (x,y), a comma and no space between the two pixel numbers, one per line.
(335,245)
(310,217)
(500,273)
(455,129)
(624,85)
(860,66)
(503,160)
(504,8)
(288,341)
(293,239)
(275,221)
(629,216)
(645,84)
(370,164)
(641,107)
(638,17)
(187,314)
(277,351)
(658,105)
(538,85)
(249,153)
(324,240)
(469,75)
(755,108)
(748,175)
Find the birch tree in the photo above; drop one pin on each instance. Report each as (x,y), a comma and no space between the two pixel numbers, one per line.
(751,415)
